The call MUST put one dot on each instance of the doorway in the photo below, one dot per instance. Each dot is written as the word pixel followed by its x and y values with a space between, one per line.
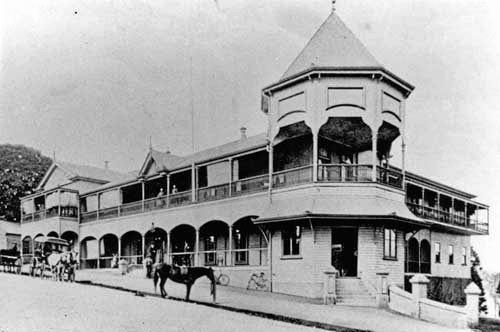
pixel 345 251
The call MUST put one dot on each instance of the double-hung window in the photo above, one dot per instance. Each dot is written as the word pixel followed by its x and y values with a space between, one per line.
pixel 291 240
pixel 437 252
pixel 389 244
pixel 450 254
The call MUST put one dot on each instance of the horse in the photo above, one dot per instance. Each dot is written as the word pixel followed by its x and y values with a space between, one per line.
pixel 56 265
pixel 182 275
pixel 38 263
pixel 67 265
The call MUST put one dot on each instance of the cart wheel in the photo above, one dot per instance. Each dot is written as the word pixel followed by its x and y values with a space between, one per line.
pixel 223 280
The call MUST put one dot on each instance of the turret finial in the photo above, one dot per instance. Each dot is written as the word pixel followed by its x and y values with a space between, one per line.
pixel 150 143
pixel 333 5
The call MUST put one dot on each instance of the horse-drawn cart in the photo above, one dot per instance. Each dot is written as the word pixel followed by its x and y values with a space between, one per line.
pixel 10 260
pixel 53 255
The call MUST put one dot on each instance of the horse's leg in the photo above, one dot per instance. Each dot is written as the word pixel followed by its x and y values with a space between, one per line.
pixel 162 286
pixel 188 290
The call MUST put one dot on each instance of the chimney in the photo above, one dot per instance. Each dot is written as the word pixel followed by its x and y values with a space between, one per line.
pixel 106 164
pixel 243 131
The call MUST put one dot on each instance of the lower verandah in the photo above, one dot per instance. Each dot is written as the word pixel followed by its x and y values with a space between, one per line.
pixel 300 252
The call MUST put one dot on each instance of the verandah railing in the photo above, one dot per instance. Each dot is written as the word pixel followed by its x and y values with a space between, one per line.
pixel 446 216
pixel 344 173
pixel 63 211
pixel 280 179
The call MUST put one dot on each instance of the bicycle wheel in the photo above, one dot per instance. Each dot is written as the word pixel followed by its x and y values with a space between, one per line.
pixel 252 284
pixel 223 280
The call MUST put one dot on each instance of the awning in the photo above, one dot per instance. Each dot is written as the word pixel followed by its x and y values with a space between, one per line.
pixel 50 239
pixel 344 207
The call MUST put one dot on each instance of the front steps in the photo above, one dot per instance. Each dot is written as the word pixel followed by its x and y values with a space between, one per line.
pixel 352 291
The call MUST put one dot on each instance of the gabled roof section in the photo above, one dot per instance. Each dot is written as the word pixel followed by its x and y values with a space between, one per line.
pixel 82 172
pixel 168 161
pixel 162 161
pixel 333 45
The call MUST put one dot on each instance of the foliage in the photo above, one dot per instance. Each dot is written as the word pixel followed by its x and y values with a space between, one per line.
pixel 489 324
pixel 21 169
pixel 476 265
pixel 444 289
pixel 447 290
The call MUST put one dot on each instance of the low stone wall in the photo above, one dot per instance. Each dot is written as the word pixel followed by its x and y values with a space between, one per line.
pixel 402 301
pixel 425 309
pixel 441 313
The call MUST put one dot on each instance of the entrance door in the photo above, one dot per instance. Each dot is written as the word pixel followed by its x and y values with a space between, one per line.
pixel 345 251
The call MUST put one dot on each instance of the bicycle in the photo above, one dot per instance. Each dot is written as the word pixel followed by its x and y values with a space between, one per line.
pixel 222 279
pixel 257 282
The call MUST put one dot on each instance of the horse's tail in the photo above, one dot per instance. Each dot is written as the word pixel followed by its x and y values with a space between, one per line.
pixel 156 276
pixel 213 286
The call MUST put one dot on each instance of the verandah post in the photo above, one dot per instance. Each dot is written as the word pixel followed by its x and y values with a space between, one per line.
pixel 196 248
pixel 230 247
pixel 315 156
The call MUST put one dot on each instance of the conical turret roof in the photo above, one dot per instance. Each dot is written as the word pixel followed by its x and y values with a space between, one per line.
pixel 332 46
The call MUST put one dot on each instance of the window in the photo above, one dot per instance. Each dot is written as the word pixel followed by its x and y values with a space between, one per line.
pixel 464 256
pixel 389 244
pixel 450 254
pixel 437 252
pixel 291 241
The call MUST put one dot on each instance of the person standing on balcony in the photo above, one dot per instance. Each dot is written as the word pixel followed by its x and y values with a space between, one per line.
pixel 160 196
pixel 174 189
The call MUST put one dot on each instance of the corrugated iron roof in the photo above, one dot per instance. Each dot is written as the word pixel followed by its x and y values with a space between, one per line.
pixel 167 161
pixel 332 45
pixel 91 172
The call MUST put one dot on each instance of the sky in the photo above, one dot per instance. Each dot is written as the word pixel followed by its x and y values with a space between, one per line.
pixel 94 80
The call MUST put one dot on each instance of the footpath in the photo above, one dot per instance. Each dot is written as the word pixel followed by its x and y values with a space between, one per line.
pixel 300 310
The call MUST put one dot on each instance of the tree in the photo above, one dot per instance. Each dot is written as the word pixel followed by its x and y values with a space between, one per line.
pixel 21 169
pixel 476 264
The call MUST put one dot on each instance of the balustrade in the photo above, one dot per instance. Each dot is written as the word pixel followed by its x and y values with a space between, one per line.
pixel 344 173
pixel 213 193
pixel 390 177
pixel 250 185
pixel 292 177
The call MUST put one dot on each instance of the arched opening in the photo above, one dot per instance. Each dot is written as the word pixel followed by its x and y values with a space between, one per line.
pixel 89 253
pixel 249 245
pixel 27 249
pixel 131 243
pixel 386 135
pixel 213 245
pixel 71 237
pixel 292 155
pixel 425 256
pixel 108 248
pixel 156 244
pixel 345 150
pixel 37 244
pixel 183 238
pixel 412 256
pixel 53 234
